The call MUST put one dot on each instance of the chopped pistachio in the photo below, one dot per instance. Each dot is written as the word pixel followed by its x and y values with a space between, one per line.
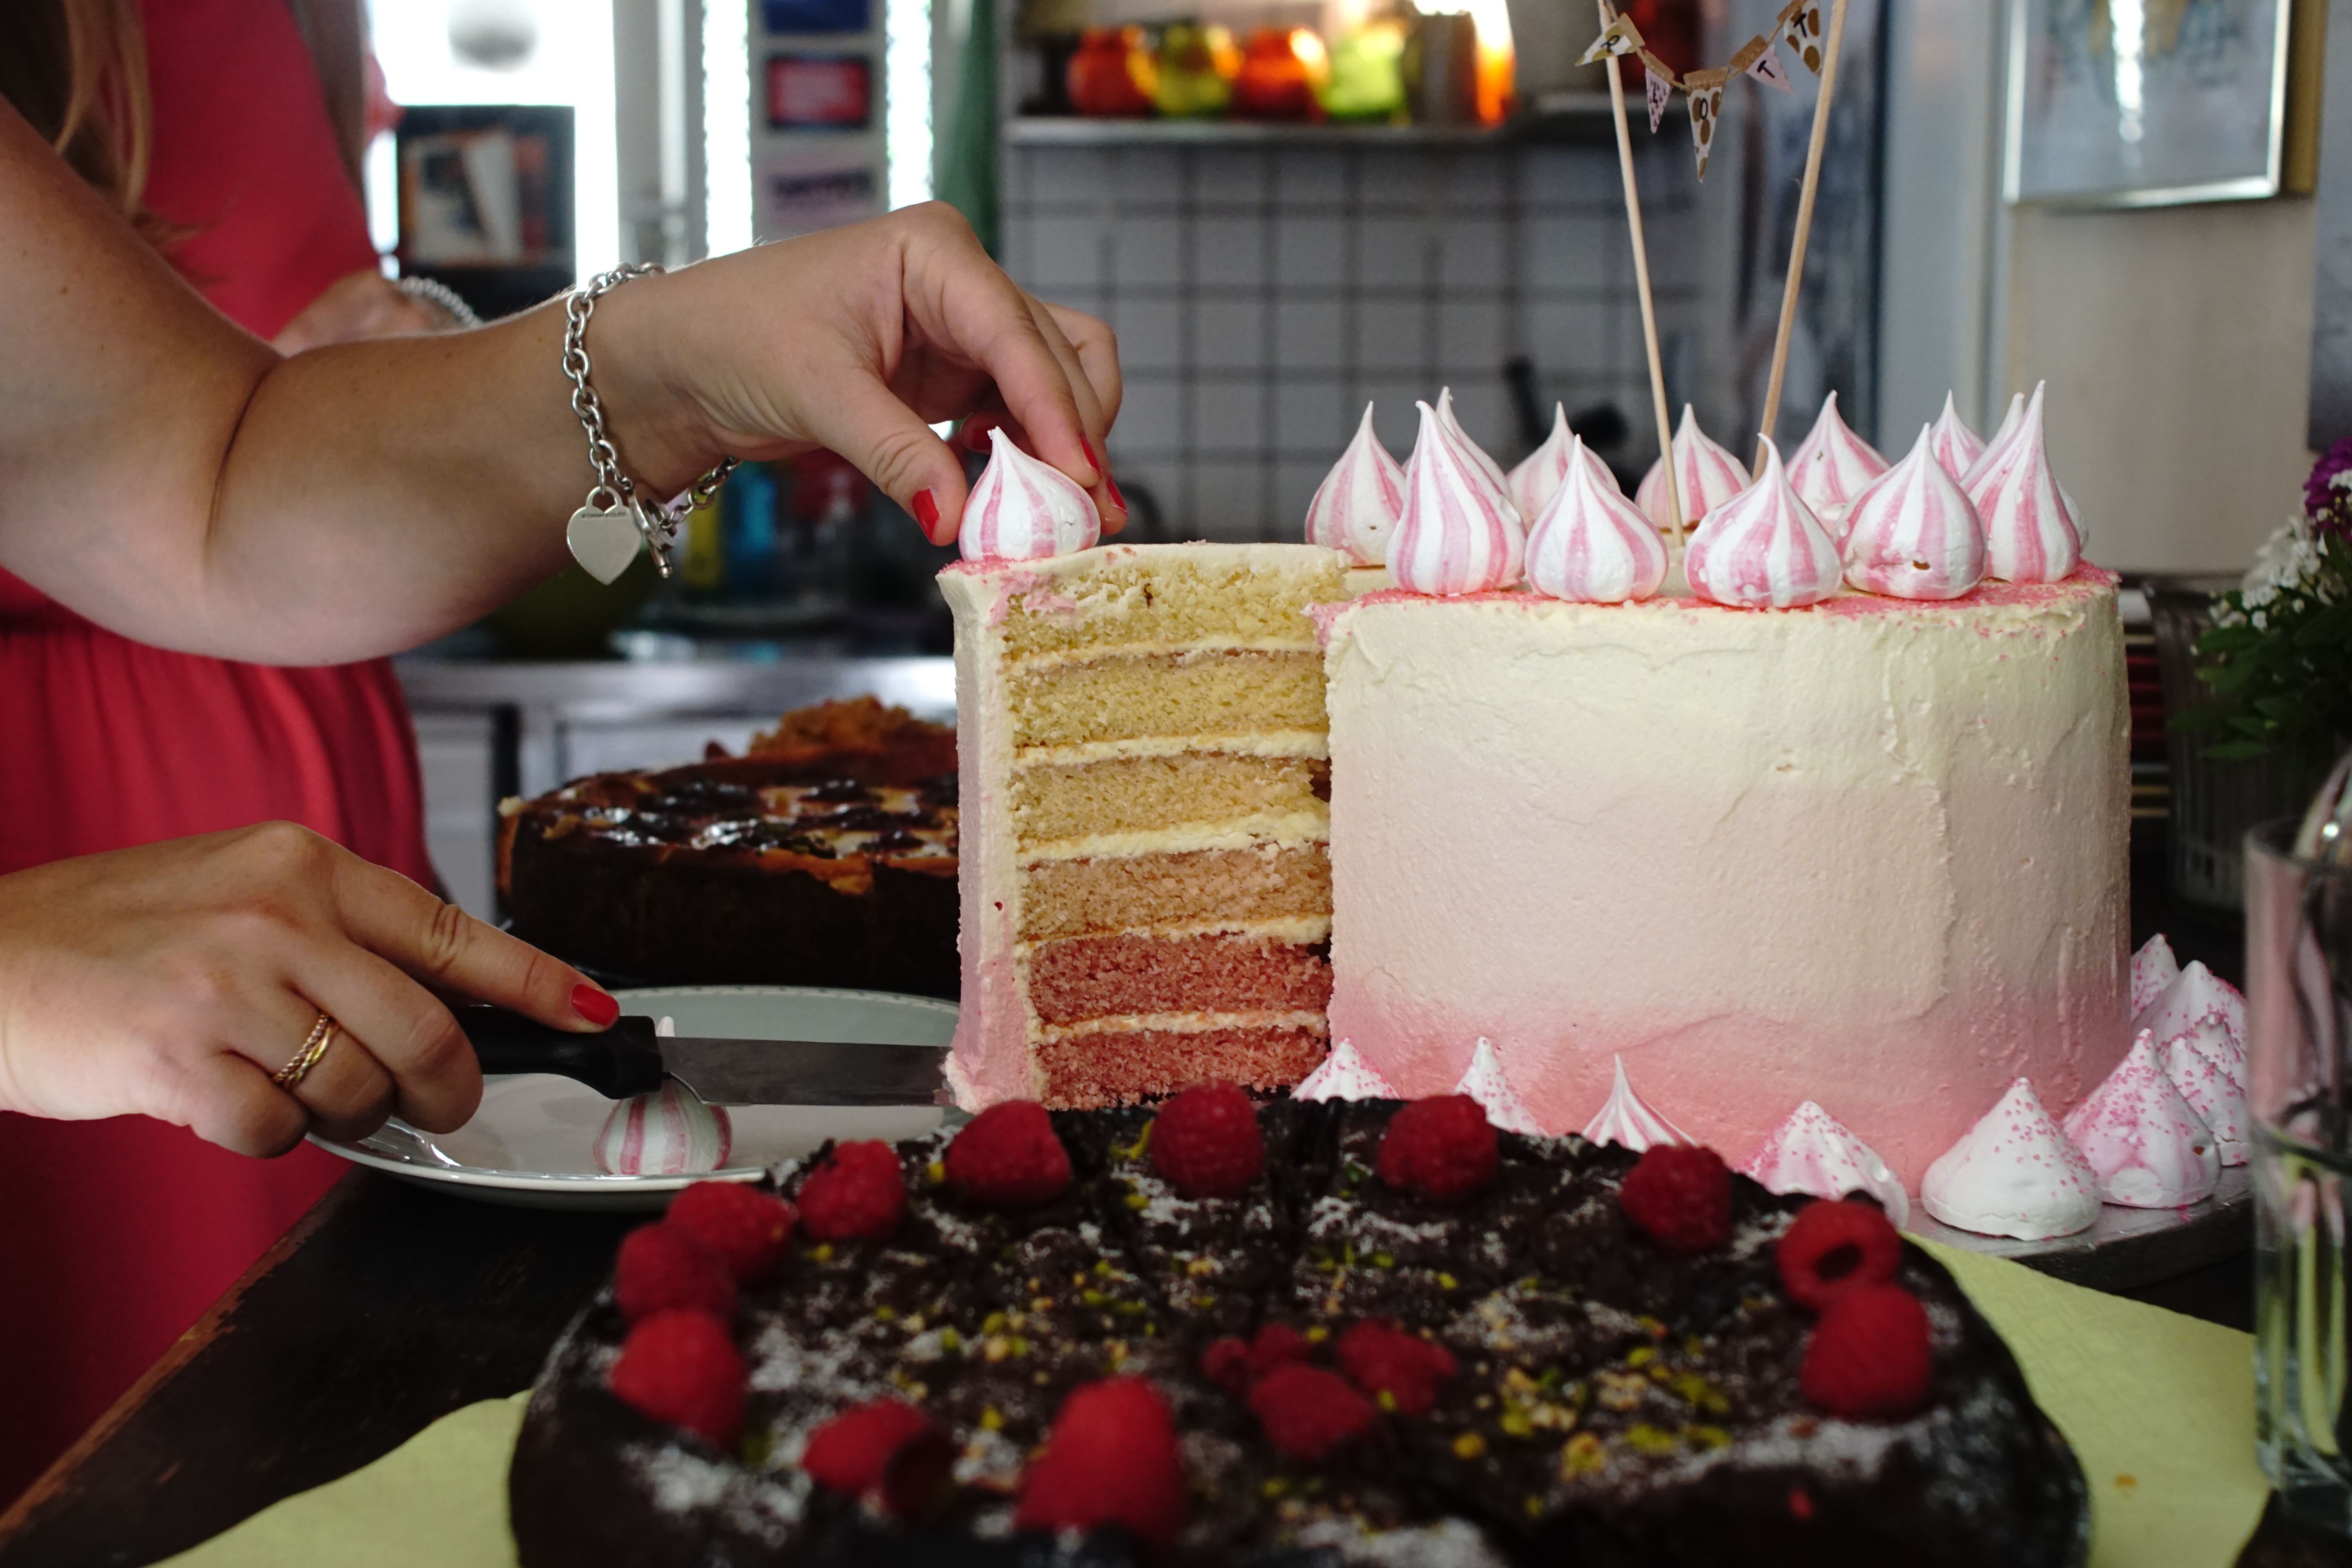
pixel 1582 1456
pixel 992 1419
pixel 950 1341
pixel 1385 1400
pixel 1103 1268
pixel 1517 1422
pixel 1197 1267
pixel 1092 1298
pixel 1707 1438
pixel 820 1253
pixel 996 1348
pixel 1640 1356
pixel 1040 1303
pixel 1447 1282
pixel 993 1324
pixel 1273 1487
pixel 1138 1201
pixel 1652 1327
pixel 937 1173
pixel 1040 1379
pixel 886 1314
pixel 1317 1334
pixel 1534 1505
pixel 1020 1346
pixel 1383 1260
pixel 1203 1302
pixel 1469 1446
pixel 1645 1438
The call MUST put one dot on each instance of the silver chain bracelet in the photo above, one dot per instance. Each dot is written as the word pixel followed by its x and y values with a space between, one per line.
pixel 433 292
pixel 606 532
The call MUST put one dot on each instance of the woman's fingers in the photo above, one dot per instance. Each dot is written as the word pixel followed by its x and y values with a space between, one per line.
pixel 868 424
pixel 228 1101
pixel 1108 504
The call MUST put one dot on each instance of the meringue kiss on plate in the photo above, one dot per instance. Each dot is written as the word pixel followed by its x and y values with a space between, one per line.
pixel 2150 1148
pixel 2031 534
pixel 2015 1173
pixel 1024 508
pixel 1813 1151
pixel 1912 532
pixel 1706 476
pixel 1540 472
pixel 1626 1120
pixel 1459 534
pixel 1832 465
pixel 1589 544
pixel 1955 446
pixel 1763 548
pixel 1356 507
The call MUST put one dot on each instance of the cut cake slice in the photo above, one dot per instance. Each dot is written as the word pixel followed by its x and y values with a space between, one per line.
pixel 1146 877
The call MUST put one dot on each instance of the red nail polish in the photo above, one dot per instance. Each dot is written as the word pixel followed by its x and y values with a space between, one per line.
pixel 1116 497
pixel 594 1005
pixel 1086 443
pixel 927 513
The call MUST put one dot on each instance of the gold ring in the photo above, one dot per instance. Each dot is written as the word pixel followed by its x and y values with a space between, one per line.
pixel 322 1035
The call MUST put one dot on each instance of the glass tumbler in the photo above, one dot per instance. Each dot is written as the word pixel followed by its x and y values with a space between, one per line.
pixel 2299 1037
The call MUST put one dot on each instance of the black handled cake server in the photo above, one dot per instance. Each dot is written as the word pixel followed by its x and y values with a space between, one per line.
pixel 630 1059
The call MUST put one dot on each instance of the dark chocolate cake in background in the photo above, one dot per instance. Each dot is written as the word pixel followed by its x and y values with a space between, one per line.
pixel 1598 1396
pixel 825 855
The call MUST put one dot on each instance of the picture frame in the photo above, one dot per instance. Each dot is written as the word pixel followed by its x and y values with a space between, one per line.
pixel 2131 103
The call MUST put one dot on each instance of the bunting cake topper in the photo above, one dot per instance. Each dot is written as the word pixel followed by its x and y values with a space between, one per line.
pixel 1703 92
pixel 1758 60
pixel 1619 37
pixel 1800 25
pixel 1658 85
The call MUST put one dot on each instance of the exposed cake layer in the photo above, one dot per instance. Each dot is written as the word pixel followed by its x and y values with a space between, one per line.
pixel 1109 1066
pixel 1122 696
pixel 1052 802
pixel 1080 898
pixel 1144 596
pixel 1103 977
pixel 1871 854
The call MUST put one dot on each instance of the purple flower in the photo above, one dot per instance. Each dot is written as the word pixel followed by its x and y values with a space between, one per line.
pixel 2326 501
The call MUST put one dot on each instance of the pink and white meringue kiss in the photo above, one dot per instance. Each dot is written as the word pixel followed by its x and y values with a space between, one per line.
pixel 2150 1148
pixel 2031 534
pixel 1356 507
pixel 670 1132
pixel 2215 1092
pixel 1763 548
pixel 1626 1121
pixel 1590 545
pixel 1459 533
pixel 2153 968
pixel 1706 476
pixel 1484 1081
pixel 2013 1174
pixel 2201 1006
pixel 1023 508
pixel 1494 470
pixel 1539 473
pixel 1832 465
pixel 1813 1151
pixel 1345 1075
pixel 1955 446
pixel 1912 534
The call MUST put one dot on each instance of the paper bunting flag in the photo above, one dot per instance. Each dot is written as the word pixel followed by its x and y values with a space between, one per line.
pixel 1620 38
pixel 1800 25
pixel 1704 92
pixel 1660 82
pixel 1758 58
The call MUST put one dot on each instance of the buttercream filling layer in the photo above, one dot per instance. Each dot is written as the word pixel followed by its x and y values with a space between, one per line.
pixel 1173 596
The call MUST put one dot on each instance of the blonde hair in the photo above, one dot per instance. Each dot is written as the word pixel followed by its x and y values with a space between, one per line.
pixel 76 71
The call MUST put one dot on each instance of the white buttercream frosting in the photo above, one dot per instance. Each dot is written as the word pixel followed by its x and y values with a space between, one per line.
pixel 1345 1075
pixel 1484 1081
pixel 1459 533
pixel 1589 544
pixel 1763 548
pixel 1812 1152
pixel 2015 1173
pixel 1706 476
pixel 2153 968
pixel 1356 507
pixel 1625 1121
pixel 1025 509
pixel 670 1132
pixel 1832 465
pixel 1911 533
pixel 2031 534
pixel 1955 446
pixel 2150 1148
pixel 1539 474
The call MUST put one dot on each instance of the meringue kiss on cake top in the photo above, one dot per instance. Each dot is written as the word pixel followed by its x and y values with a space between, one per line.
pixel 1832 465
pixel 2032 532
pixel 1540 472
pixel 1024 508
pixel 1812 1152
pixel 1706 476
pixel 1912 532
pixel 1955 446
pixel 1589 544
pixel 1763 548
pixel 2150 1148
pixel 2015 1173
pixel 1459 534
pixel 1445 417
pixel 1356 507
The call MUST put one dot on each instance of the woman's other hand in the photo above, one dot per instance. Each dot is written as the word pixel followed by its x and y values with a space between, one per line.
pixel 358 306
pixel 174 980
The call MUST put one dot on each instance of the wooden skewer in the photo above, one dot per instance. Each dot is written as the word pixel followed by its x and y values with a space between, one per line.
pixel 1642 280
pixel 1804 229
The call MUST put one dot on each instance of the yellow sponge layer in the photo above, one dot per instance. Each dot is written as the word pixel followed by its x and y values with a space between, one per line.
pixel 1134 794
pixel 1175 596
pixel 1123 697
pixel 1198 888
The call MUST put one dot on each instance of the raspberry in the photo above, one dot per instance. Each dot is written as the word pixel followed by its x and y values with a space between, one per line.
pixel 680 1366
pixel 850 1453
pixel 1681 1196
pixel 1234 1364
pixel 856 1191
pixel 1385 1359
pixel 1307 1412
pixel 747 1227
pixel 1206 1141
pixel 1869 1358
pixel 1442 1148
pixel 1007 1157
pixel 1831 1247
pixel 1110 1459
pixel 663 1267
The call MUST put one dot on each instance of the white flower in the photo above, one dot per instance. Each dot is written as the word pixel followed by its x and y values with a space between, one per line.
pixel 2288 559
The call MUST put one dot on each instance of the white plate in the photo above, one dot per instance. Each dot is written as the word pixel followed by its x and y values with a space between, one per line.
pixel 532 1141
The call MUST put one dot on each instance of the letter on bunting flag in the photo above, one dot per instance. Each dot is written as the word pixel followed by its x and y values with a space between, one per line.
pixel 1703 90
pixel 1758 58
pixel 1800 25
pixel 1659 81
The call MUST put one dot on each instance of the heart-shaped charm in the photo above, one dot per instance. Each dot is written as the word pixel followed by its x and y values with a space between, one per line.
pixel 604 540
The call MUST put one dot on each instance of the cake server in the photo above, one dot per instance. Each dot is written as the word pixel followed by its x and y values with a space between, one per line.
pixel 629 1059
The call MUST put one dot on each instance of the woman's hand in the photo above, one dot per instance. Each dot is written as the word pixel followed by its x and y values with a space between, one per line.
pixel 172 981
pixel 356 307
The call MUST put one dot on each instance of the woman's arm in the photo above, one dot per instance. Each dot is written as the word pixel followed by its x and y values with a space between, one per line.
pixel 172 477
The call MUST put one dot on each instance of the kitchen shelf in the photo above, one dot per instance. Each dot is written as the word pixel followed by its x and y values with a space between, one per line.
pixel 1568 116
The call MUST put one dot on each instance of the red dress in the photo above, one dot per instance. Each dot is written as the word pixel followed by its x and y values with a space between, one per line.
pixel 115 1235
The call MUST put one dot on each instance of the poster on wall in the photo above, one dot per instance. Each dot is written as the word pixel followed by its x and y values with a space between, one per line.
pixel 801 193
pixel 2146 104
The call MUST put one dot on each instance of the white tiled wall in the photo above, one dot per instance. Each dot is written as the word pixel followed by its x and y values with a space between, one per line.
pixel 1262 295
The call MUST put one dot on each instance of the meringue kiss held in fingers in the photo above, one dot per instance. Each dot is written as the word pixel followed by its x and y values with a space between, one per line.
pixel 1706 476
pixel 1356 507
pixel 1024 508
pixel 1912 532
pixel 1832 465
pixel 1591 544
pixel 2031 534
pixel 1763 548
pixel 1539 474
pixel 1955 446
pixel 1459 533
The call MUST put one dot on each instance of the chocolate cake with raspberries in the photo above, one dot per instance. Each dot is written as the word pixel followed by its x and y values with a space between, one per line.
pixel 1296 1333
pixel 826 856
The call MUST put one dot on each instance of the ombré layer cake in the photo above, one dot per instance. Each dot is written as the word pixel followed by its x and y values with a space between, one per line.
pixel 1146 865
